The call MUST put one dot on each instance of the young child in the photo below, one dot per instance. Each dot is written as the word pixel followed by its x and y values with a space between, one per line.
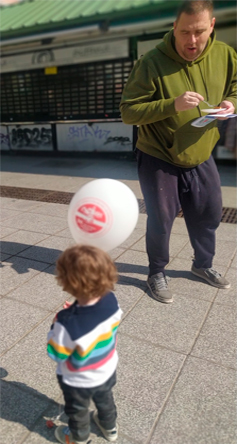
pixel 82 340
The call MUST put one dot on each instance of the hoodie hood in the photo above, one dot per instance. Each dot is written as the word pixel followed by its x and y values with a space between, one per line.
pixel 167 46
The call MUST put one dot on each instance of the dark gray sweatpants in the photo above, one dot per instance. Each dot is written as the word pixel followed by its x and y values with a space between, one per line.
pixel 77 401
pixel 167 188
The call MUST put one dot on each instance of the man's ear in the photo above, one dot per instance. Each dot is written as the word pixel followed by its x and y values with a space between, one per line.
pixel 213 21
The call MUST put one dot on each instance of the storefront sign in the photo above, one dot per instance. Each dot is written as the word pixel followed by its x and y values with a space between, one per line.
pixel 66 56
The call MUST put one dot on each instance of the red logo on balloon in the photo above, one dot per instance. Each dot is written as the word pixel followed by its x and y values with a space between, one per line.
pixel 93 217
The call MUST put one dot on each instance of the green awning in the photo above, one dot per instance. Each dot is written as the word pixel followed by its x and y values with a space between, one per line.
pixel 33 17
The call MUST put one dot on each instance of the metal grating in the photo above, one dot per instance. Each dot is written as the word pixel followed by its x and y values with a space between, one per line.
pixel 76 92
pixel 36 194
pixel 229 215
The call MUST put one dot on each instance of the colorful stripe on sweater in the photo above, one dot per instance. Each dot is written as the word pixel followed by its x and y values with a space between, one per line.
pixel 83 339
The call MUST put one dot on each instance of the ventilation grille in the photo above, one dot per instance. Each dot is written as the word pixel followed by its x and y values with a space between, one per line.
pixel 83 91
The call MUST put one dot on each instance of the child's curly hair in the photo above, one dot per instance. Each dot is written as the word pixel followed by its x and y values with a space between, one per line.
pixel 86 272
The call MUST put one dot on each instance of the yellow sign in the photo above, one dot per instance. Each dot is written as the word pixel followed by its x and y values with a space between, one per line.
pixel 51 70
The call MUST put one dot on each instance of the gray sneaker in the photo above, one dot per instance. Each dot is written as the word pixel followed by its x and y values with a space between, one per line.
pixel 159 288
pixel 63 435
pixel 210 275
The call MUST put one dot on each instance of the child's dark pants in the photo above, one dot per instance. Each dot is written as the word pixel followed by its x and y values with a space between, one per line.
pixel 166 188
pixel 77 401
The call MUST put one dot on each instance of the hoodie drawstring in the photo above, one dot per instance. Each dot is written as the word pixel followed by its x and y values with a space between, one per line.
pixel 207 95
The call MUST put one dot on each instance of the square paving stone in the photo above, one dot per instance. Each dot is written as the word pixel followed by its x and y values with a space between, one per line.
pixel 217 339
pixel 177 242
pixel 5 231
pixel 42 291
pixel 17 319
pixel 39 223
pixel 20 409
pixel 51 209
pixel 142 221
pixel 41 434
pixel 144 378
pixel 65 233
pixel 66 183
pixel 133 267
pixel 229 195
pixel 134 186
pixel 225 251
pixel 228 295
pixel 179 226
pixel 173 326
pixel 20 240
pixel 18 204
pixel 183 282
pixel 27 362
pixel 16 270
pixel 29 180
pixel 201 408
pixel 226 232
pixel 140 245
pixel 7 202
pixel 127 296
pixel 48 250
pixel 4 256
pixel 234 262
pixel 6 214
pixel 116 253
pixel 136 235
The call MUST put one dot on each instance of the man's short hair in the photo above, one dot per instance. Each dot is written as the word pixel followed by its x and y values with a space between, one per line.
pixel 194 7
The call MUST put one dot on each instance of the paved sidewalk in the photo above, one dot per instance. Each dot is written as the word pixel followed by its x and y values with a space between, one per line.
pixel 176 373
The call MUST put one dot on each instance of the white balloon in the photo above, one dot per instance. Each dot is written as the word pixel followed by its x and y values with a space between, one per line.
pixel 103 213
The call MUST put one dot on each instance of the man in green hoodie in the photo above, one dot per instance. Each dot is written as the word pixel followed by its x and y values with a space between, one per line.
pixel 164 94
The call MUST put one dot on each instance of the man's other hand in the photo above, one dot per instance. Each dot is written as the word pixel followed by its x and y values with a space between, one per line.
pixel 229 108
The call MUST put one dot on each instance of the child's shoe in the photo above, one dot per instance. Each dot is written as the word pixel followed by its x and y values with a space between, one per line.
pixel 110 435
pixel 63 435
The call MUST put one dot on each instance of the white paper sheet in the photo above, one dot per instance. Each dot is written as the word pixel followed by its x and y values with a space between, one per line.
pixel 203 121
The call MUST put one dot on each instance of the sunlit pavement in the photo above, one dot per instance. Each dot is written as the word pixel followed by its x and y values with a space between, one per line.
pixel 176 373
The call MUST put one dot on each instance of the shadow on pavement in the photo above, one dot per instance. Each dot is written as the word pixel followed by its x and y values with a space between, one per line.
pixel 26 406
pixel 24 257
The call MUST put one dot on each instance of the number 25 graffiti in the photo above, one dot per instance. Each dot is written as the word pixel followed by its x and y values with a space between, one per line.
pixel 22 137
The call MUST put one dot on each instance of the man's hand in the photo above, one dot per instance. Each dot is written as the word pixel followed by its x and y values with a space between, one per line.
pixel 188 100
pixel 230 109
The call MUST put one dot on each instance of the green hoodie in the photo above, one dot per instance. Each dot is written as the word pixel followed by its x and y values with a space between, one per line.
pixel 157 79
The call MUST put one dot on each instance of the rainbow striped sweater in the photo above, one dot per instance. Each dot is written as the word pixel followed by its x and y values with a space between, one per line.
pixel 83 342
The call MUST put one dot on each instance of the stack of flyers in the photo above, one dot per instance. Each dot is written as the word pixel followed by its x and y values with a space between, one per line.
pixel 203 121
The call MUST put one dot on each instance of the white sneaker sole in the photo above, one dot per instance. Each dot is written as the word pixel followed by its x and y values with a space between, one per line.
pixel 103 431
pixel 160 299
